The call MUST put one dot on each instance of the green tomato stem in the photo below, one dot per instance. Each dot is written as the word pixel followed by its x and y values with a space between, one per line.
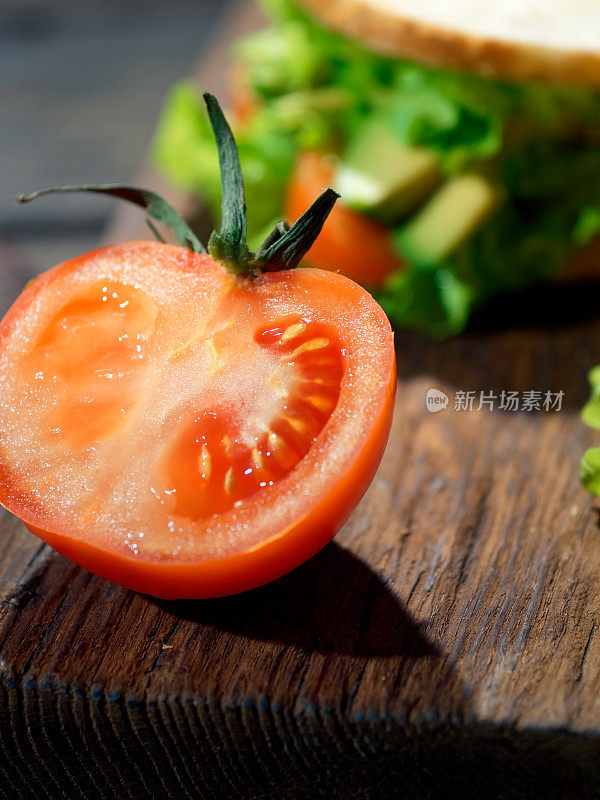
pixel 284 248
pixel 155 206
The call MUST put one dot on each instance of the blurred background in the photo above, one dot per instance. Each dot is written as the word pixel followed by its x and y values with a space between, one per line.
pixel 82 86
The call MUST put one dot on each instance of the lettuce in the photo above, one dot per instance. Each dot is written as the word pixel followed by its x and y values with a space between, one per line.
pixel 590 470
pixel 316 89
pixel 434 302
pixel 590 414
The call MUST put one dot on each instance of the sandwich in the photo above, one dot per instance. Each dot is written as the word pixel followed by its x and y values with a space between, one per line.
pixel 463 138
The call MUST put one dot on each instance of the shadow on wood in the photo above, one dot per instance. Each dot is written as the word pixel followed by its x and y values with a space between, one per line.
pixel 334 603
pixel 60 623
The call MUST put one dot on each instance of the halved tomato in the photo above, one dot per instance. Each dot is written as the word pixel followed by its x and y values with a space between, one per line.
pixel 183 431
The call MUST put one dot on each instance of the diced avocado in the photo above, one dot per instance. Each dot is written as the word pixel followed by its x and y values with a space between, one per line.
pixel 382 177
pixel 457 210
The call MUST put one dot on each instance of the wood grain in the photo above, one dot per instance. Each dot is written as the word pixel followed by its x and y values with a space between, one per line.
pixel 83 83
pixel 445 645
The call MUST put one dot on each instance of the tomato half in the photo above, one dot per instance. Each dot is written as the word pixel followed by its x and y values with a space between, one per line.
pixel 350 242
pixel 184 432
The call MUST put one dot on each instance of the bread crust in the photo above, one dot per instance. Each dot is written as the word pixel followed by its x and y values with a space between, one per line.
pixel 389 32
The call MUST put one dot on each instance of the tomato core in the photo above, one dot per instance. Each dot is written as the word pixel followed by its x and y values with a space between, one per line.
pixel 214 463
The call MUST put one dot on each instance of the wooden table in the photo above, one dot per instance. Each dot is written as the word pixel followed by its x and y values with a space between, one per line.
pixel 82 85
pixel 445 645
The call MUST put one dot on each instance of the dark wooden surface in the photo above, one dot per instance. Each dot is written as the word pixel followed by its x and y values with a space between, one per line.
pixel 446 644
pixel 82 85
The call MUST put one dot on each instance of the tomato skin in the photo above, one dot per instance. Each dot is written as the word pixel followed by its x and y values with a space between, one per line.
pixel 274 556
pixel 350 242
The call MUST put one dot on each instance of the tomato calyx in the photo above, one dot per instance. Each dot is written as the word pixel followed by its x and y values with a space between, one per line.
pixel 285 246
pixel 155 206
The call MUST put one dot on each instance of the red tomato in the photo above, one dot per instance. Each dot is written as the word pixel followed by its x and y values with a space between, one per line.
pixel 184 432
pixel 350 242
pixel 242 100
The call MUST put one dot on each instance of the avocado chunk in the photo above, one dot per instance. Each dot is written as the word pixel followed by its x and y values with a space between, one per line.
pixel 457 210
pixel 382 177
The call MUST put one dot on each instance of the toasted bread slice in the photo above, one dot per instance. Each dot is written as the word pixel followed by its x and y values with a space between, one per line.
pixel 555 41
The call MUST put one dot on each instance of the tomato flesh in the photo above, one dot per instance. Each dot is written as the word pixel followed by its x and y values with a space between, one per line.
pixel 93 351
pixel 184 432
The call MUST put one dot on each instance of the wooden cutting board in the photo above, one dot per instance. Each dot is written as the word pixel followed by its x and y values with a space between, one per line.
pixel 446 644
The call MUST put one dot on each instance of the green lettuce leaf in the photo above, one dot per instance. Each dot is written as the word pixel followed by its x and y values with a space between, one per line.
pixel 590 470
pixel 434 302
pixel 587 225
pixel 590 413
pixel 590 463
